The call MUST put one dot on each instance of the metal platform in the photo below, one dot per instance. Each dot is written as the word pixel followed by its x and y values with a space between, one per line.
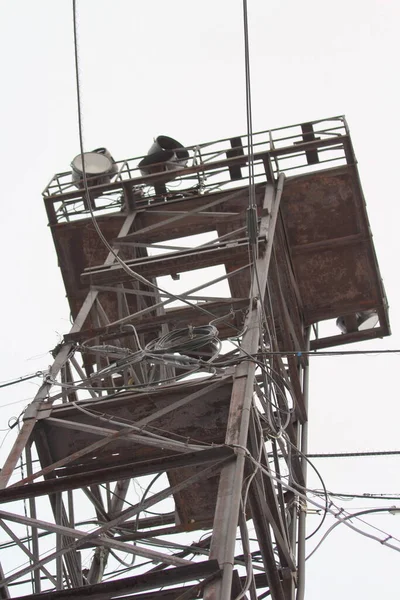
pixel 330 252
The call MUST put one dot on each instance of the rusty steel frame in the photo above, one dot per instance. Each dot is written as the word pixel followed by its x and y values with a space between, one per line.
pixel 118 422
pixel 41 410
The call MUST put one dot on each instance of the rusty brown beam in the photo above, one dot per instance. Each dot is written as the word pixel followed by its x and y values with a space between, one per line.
pixel 179 315
pixel 131 585
pixel 133 469
pixel 175 263
pixel 348 338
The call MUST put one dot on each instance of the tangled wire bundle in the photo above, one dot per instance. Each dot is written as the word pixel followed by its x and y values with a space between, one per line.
pixel 197 342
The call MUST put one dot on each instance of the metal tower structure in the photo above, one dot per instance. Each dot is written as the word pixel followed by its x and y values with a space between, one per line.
pixel 164 451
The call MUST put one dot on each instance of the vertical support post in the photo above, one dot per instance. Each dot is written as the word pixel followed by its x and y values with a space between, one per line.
pixel 59 542
pixel 33 514
pixel 231 479
pixel 4 593
pixel 301 549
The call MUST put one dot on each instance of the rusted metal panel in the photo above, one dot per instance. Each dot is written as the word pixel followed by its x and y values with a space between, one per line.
pixel 336 281
pixel 204 421
pixel 321 206
pixel 136 468
pixel 328 232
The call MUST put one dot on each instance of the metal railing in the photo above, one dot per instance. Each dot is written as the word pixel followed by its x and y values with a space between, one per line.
pixel 212 166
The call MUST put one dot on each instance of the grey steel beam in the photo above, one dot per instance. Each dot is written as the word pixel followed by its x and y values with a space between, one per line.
pixel 97 540
pixel 99 560
pixel 73 567
pixel 32 511
pixel 230 486
pixel 33 557
pixel 301 551
pixel 266 496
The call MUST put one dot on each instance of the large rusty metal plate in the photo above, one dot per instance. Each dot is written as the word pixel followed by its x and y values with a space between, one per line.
pixel 202 420
pixel 330 244
pixel 322 206
pixel 335 281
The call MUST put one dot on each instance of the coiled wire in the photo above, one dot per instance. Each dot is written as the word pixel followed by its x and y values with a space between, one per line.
pixel 196 342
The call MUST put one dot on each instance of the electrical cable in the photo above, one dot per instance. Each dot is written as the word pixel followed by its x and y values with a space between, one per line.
pixel 142 430
pixel 139 387
pixel 146 491
pixel 351 516
pixel 355 454
pixel 392 509
pixel 384 542
pixel 182 348
pixel 189 341
pixel 110 574
pixel 329 352
pixel 243 523
pixel 249 118
pixel 366 496
pixel 28 537
pixel 21 379
pixel 325 493
pixel 122 562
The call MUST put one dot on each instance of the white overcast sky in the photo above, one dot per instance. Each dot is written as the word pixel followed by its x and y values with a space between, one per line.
pixel 176 67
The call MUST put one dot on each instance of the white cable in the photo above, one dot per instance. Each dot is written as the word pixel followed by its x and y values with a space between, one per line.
pixel 353 516
pixel 384 542
pixel 141 430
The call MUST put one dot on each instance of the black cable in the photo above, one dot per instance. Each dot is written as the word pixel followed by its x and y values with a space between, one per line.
pixel 365 496
pixel 330 352
pixel 355 454
pixel 326 496
pixel 108 575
